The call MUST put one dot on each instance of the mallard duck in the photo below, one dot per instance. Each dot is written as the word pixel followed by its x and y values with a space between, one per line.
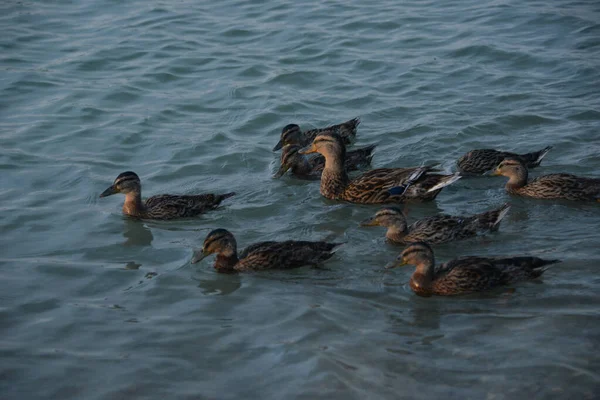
pixel 552 186
pixel 378 186
pixel 436 229
pixel 162 206
pixel 311 167
pixel 466 274
pixel 291 134
pixel 263 255
pixel 483 160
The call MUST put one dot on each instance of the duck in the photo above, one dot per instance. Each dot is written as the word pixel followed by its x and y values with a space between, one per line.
pixel 552 186
pixel 162 206
pixel 478 162
pixel 377 186
pixel 436 229
pixel 466 274
pixel 307 167
pixel 291 133
pixel 263 255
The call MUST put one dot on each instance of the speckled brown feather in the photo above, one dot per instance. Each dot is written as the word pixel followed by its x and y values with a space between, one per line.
pixel 467 274
pixel 483 160
pixel 164 206
pixel 284 255
pixel 373 187
pixel 560 186
pixel 263 255
pixel 476 274
pixel 552 186
pixel 168 206
pixel 439 228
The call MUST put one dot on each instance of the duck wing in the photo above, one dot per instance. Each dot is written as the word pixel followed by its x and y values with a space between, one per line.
pixel 467 275
pixel 168 206
pixel 284 255
pixel 566 186
pixel 440 229
pixel 374 186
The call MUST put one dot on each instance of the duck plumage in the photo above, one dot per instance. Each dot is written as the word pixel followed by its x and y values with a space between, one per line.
pixel 378 186
pixel 263 255
pixel 466 274
pixel 435 229
pixel 552 186
pixel 484 160
pixel 162 206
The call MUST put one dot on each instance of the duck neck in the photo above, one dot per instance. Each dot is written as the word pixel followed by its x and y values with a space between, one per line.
pixel 301 166
pixel 422 279
pixel 396 231
pixel 133 204
pixel 226 261
pixel 334 179
pixel 516 181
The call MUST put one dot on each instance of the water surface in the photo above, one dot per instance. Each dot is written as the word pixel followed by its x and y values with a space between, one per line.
pixel 192 97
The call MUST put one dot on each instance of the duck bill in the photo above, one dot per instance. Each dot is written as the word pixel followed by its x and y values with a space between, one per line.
pixel 110 191
pixel 495 173
pixel 198 256
pixel 278 146
pixel 282 170
pixel 308 149
pixel 369 222
pixel 394 264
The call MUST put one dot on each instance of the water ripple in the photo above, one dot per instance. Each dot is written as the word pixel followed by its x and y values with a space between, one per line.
pixel 192 97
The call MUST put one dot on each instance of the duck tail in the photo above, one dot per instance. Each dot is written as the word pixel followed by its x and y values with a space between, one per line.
pixel 224 196
pixel 445 181
pixel 336 245
pixel 348 128
pixel 367 152
pixel 534 159
pixel 491 219
pixel 543 265
pixel 332 247
pixel 368 149
pixel 353 123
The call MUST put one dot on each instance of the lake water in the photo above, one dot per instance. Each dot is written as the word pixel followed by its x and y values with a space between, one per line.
pixel 192 96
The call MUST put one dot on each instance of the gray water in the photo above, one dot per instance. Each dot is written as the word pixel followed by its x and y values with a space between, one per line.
pixel 192 96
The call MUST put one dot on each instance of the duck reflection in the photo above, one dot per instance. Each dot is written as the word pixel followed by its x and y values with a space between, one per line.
pixel 219 284
pixel 136 233
pixel 425 314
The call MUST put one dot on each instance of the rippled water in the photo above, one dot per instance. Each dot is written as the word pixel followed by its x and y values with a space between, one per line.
pixel 192 96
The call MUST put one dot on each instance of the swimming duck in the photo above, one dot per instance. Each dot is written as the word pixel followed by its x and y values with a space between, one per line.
pixel 552 186
pixel 263 255
pixel 483 160
pixel 162 206
pixel 466 274
pixel 291 134
pixel 378 186
pixel 437 229
pixel 311 167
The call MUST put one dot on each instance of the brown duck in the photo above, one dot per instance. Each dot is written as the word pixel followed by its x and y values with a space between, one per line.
pixel 378 186
pixel 484 160
pixel 466 274
pixel 552 186
pixel 437 229
pixel 162 206
pixel 263 255
pixel 291 134
pixel 303 166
